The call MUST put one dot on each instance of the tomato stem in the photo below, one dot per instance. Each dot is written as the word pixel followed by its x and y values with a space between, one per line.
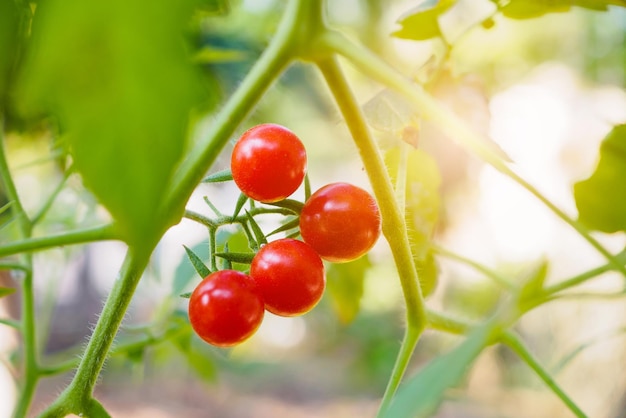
pixel 393 224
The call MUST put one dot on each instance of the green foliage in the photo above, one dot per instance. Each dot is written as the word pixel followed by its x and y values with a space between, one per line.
pixel 421 23
pixel 345 287
pixel 421 395
pixel 526 9
pixel 9 43
pixel 600 198
pixel 105 70
pixel 5 291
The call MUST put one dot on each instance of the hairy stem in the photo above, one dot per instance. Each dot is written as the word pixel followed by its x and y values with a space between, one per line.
pixel 77 397
pixel 393 223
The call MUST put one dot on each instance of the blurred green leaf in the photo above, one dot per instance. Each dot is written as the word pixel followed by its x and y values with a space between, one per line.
pixel 211 55
pixel 527 9
pixel 421 395
pixel 117 77
pixel 9 44
pixel 5 291
pixel 422 22
pixel 197 356
pixel 344 283
pixel 197 263
pixel 388 111
pixel 533 283
pixel 600 198
pixel 422 201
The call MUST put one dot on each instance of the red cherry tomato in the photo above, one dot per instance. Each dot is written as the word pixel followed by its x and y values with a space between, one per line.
pixel 290 275
pixel 226 308
pixel 268 163
pixel 341 222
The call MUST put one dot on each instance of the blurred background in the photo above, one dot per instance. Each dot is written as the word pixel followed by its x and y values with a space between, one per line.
pixel 546 90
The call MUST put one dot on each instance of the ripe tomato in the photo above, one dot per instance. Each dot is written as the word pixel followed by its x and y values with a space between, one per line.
pixel 341 222
pixel 226 308
pixel 268 163
pixel 290 275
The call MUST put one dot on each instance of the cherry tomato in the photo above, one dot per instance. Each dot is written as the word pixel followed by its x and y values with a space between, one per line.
pixel 341 222
pixel 268 163
pixel 290 275
pixel 226 308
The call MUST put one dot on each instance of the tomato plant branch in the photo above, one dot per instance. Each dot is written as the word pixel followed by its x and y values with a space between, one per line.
pixel 272 62
pixel 428 108
pixel 393 224
pixel 77 397
pixel 27 321
pixel 50 200
pixel 82 236
pixel 517 346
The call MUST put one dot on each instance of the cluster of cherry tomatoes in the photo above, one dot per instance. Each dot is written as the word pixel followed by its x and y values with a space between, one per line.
pixel 339 222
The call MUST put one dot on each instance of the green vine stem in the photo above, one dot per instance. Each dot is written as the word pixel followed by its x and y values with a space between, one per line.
pixel 27 321
pixel 82 236
pixel 514 343
pixel 451 125
pixel 393 225
pixel 77 397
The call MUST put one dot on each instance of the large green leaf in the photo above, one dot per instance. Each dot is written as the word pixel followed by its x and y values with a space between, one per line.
pixel 345 287
pixel 526 9
pixel 422 22
pixel 9 35
pixel 421 395
pixel 118 78
pixel 422 200
pixel 601 199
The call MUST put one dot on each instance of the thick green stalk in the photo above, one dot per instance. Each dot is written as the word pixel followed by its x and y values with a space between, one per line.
pixel 514 343
pixel 97 233
pixel 393 224
pixel 451 125
pixel 77 397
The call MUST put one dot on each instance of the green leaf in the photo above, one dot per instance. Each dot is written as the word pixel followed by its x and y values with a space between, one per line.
pixel 600 198
pixel 197 263
pixel 218 177
pixel 527 9
pixel 197 356
pixel 344 283
pixel 211 55
pixel 388 111
pixel 9 36
pixel 422 22
pixel 422 200
pixel 5 291
pixel 533 285
pixel 421 395
pixel 118 79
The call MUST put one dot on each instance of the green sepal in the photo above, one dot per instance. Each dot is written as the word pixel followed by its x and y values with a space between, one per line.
pixel 218 177
pixel 256 230
pixel 197 263
pixel 242 258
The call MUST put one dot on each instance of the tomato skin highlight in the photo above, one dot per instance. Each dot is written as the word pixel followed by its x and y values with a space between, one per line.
pixel 226 308
pixel 268 163
pixel 341 222
pixel 290 275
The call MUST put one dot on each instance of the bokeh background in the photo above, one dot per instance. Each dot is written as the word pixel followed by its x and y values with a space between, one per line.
pixel 546 90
